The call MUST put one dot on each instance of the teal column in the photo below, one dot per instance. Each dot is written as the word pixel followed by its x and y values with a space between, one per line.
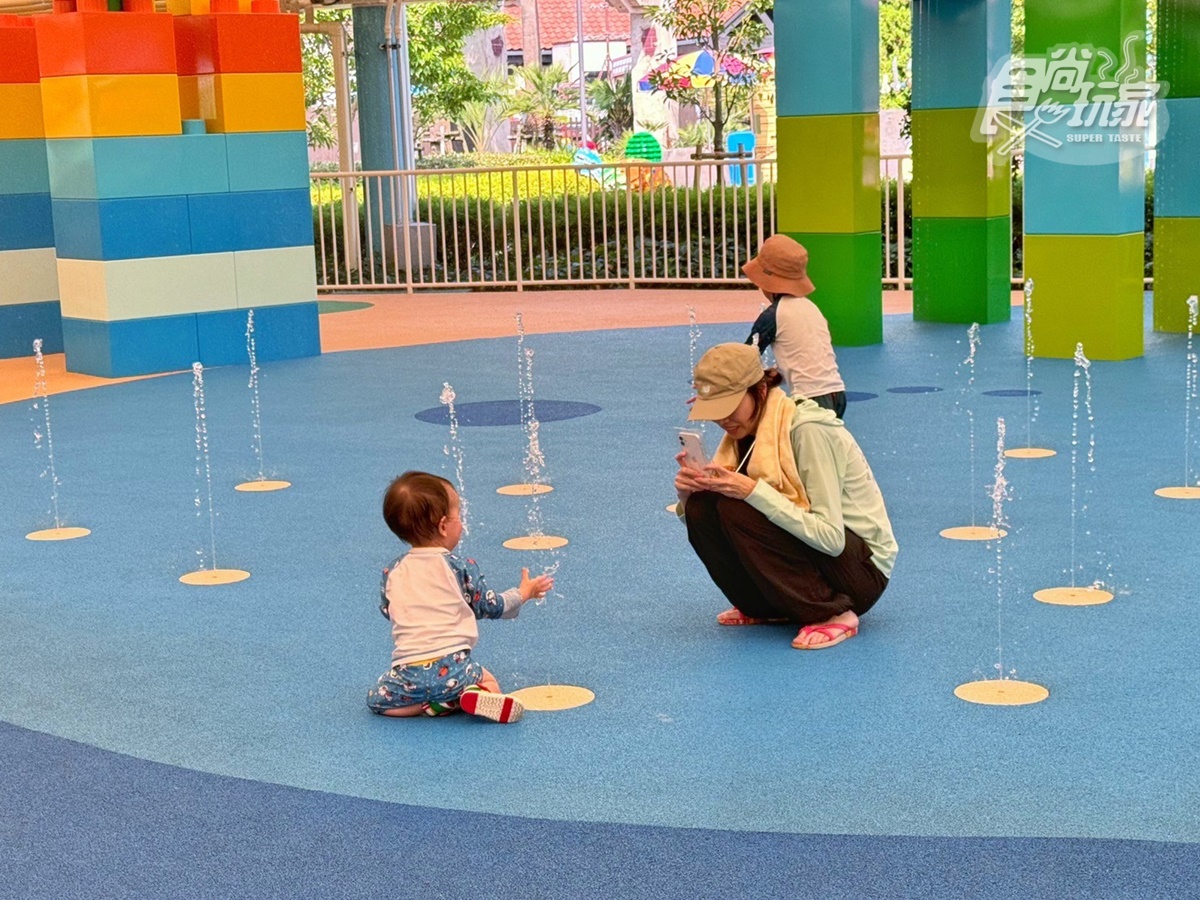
pixel 1084 181
pixel 1177 176
pixel 380 143
pixel 962 184
pixel 827 106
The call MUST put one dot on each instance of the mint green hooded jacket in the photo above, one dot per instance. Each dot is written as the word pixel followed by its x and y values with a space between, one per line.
pixel 841 490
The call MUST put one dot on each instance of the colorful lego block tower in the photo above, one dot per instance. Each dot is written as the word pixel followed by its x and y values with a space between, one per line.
pixel 1085 179
pixel 827 102
pixel 28 282
pixel 962 184
pixel 180 198
pixel 1177 177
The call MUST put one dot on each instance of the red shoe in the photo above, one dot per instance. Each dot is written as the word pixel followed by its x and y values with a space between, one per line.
pixel 496 707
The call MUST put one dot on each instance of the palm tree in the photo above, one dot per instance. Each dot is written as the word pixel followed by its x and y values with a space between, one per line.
pixel 542 98
pixel 614 101
pixel 480 119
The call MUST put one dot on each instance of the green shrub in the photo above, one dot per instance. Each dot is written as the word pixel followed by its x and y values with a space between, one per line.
pixel 476 227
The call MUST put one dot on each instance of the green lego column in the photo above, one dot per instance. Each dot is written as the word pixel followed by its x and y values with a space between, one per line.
pixel 1177 177
pixel 827 106
pixel 1084 180
pixel 962 198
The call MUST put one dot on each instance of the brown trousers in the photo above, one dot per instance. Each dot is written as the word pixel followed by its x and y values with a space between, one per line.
pixel 768 573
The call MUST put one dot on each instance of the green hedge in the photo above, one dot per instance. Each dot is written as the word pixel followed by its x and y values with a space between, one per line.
pixel 716 247
pixel 478 228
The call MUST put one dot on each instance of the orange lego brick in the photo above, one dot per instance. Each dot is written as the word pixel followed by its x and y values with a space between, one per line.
pixel 189 97
pixel 103 43
pixel 188 7
pixel 22 105
pixel 110 105
pixel 19 61
pixel 255 101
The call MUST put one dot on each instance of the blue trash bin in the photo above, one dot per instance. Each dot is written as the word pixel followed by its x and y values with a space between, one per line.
pixel 743 141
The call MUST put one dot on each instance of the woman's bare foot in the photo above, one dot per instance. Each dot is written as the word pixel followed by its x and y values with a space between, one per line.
pixel 827 633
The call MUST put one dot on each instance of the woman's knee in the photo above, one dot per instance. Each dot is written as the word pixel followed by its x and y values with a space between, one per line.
pixel 701 508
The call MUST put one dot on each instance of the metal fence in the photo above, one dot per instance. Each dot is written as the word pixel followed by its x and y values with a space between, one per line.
pixel 628 224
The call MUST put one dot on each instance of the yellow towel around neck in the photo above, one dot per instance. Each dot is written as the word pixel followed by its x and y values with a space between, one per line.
pixel 772 458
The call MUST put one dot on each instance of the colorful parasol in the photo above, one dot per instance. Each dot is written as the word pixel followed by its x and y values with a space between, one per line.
pixel 695 70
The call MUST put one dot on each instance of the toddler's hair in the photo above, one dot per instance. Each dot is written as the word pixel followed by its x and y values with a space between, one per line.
pixel 414 505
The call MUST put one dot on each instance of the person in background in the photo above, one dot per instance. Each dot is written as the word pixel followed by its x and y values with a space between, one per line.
pixel 794 325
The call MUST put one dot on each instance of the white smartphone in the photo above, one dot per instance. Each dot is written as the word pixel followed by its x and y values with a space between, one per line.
pixel 693 445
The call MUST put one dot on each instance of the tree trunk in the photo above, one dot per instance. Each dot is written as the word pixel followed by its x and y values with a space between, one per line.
pixel 719 127
pixel 531 39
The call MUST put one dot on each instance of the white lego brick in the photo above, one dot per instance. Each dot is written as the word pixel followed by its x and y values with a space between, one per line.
pixel 276 277
pixel 28 276
pixel 143 288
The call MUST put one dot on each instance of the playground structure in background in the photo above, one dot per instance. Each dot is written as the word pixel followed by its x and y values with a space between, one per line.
pixel 154 185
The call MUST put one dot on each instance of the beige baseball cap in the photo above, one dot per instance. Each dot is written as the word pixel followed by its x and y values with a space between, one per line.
pixel 722 377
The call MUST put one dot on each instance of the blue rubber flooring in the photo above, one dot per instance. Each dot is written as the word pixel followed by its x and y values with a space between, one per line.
pixel 705 748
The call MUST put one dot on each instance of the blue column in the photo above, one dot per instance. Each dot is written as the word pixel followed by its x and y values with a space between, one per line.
pixel 381 144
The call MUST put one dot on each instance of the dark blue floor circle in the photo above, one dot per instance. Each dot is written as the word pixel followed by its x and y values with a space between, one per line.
pixel 859 396
pixel 914 389
pixel 1012 392
pixel 506 412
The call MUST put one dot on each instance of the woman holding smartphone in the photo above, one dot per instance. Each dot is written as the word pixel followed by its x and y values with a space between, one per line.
pixel 787 517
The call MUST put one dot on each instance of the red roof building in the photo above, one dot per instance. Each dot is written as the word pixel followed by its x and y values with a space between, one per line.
pixel 556 23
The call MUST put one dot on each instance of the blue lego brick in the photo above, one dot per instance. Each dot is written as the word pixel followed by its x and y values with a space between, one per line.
pixel 832 63
pixel 1090 187
pixel 1066 199
pixel 957 45
pixel 131 346
pixel 250 220
pixel 23 167
pixel 267 160
pixel 280 332
pixel 26 222
pixel 110 168
pixel 131 228
pixel 21 323
pixel 1177 177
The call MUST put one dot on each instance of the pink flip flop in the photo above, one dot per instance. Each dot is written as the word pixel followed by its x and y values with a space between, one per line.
pixel 735 616
pixel 835 631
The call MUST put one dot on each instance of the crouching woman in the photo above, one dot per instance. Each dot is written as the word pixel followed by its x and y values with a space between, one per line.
pixel 786 517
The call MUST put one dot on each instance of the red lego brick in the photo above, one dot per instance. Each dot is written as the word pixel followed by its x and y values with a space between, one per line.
pixel 106 43
pixel 19 61
pixel 228 43
pixel 193 45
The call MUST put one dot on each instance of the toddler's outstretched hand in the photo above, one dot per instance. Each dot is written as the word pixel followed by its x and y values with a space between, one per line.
pixel 535 588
